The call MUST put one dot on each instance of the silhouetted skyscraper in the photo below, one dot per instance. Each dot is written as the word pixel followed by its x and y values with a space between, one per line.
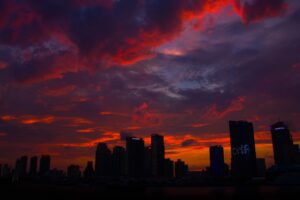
pixel 0 170
pixel 243 154
pixel 33 166
pixel 169 168
pixel 180 168
pixel 45 162
pixel 89 172
pixel 21 167
pixel 261 167
pixel 217 164
pixel 103 165
pixel 119 161
pixel 6 171
pixel 158 154
pixel 296 152
pixel 135 157
pixel 73 172
pixel 148 161
pixel 282 144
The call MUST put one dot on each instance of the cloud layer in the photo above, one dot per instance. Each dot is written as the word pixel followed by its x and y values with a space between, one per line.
pixel 74 73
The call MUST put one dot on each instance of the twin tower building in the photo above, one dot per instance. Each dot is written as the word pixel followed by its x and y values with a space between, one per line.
pixel 243 154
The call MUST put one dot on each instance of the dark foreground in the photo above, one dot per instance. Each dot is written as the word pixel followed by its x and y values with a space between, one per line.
pixel 219 193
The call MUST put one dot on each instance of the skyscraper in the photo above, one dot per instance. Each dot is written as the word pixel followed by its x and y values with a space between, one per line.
pixel 73 172
pixel 45 165
pixel 243 154
pixel 282 144
pixel 33 166
pixel 169 168
pixel 217 164
pixel 158 154
pixel 180 168
pixel 89 172
pixel 118 161
pixel 261 167
pixel 135 157
pixel 148 161
pixel 103 165
pixel 21 166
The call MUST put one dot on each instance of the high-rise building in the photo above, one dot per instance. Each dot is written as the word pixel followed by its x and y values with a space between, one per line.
pixel 6 171
pixel 296 156
pixel 261 167
pixel 0 170
pixel 282 144
pixel 169 168
pixel 158 154
pixel 243 154
pixel 33 166
pixel 148 161
pixel 180 168
pixel 89 172
pixel 21 167
pixel 73 172
pixel 217 164
pixel 118 161
pixel 45 162
pixel 103 165
pixel 135 157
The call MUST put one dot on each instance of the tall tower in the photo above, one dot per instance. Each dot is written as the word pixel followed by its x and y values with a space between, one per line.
pixel 217 164
pixel 103 163
pixel 158 154
pixel 118 161
pixel 282 144
pixel 45 164
pixel 243 154
pixel 33 166
pixel 135 157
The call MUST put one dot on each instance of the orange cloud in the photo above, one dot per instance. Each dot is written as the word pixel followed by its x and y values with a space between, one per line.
pixel 8 118
pixel 89 130
pixel 105 138
pixel 199 125
pixel 34 120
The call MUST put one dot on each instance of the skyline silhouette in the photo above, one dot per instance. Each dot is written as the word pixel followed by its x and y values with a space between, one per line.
pixel 139 161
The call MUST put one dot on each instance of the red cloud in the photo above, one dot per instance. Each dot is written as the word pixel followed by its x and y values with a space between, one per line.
pixel 62 91
pixel 106 32
pixel 35 120
pixel 235 106
pixel 260 9
pixel 2 65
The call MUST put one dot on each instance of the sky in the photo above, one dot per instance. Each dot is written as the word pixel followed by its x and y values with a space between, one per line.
pixel 77 72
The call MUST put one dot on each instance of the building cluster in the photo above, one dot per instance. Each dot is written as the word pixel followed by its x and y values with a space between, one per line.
pixel 21 169
pixel 135 160
pixel 139 161
pixel 244 163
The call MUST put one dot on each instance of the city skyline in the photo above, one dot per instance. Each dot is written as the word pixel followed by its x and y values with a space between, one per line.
pixel 75 73
pixel 119 160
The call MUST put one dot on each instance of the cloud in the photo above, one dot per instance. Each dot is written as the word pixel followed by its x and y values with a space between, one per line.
pixel 260 9
pixel 98 33
pixel 188 143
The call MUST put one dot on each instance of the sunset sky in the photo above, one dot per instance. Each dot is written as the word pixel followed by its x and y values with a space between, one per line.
pixel 77 72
